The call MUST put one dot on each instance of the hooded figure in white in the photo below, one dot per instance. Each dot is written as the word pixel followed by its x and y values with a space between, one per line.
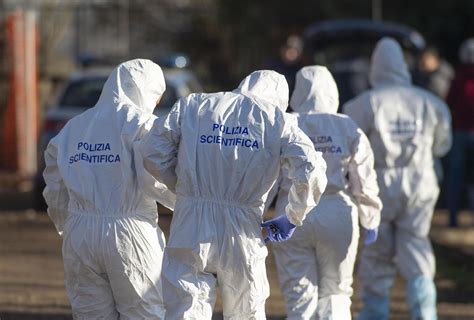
pixel 103 202
pixel 407 127
pixel 222 153
pixel 315 266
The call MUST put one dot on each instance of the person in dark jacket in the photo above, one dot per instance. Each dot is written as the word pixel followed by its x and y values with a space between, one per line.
pixel 461 101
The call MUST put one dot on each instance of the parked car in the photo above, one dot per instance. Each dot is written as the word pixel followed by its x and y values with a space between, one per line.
pixel 81 92
pixel 345 47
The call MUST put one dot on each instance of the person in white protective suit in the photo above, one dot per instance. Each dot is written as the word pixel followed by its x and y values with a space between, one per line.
pixel 315 266
pixel 222 153
pixel 102 200
pixel 407 127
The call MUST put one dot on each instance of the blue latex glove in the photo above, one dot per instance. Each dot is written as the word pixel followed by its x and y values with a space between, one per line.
pixel 278 229
pixel 371 236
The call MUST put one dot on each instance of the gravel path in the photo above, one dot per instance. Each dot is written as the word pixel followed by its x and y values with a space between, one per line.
pixel 31 271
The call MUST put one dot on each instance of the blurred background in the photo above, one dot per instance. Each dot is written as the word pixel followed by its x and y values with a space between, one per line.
pixel 55 56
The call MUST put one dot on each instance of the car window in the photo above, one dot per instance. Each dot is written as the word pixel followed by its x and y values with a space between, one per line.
pixel 337 52
pixel 82 93
pixel 85 93
pixel 349 62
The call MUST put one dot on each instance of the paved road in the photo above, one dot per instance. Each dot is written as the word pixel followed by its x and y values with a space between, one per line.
pixel 31 272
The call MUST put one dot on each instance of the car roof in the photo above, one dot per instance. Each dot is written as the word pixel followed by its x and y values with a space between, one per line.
pixel 323 33
pixel 174 75
pixel 90 73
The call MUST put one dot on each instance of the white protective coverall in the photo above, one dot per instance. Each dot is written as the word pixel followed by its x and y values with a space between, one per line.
pixel 407 126
pixel 222 152
pixel 102 200
pixel 315 266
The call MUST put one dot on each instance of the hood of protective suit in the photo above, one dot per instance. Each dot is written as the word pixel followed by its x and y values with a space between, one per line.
pixel 136 83
pixel 266 85
pixel 315 91
pixel 388 65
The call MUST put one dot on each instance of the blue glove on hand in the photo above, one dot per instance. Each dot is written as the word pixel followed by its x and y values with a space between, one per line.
pixel 371 236
pixel 278 229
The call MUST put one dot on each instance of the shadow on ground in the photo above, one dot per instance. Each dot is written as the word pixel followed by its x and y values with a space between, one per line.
pixel 458 268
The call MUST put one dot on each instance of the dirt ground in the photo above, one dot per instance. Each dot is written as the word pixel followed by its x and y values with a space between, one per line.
pixel 31 271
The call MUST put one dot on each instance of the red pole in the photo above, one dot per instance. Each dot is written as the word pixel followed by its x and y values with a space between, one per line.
pixel 20 123
pixel 9 149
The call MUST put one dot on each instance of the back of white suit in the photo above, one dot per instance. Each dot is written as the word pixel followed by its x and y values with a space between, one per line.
pixel 222 153
pixel 240 132
pixel 407 127
pixel 315 266
pixel 101 200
